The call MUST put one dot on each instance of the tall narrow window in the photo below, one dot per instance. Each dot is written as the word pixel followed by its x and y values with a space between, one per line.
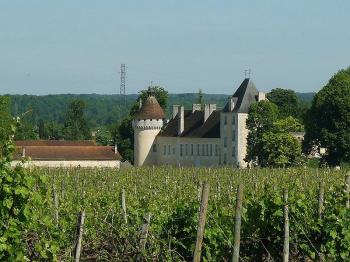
pixel 233 151
pixel 198 150
pixel 211 150
pixel 233 120
pixel 225 141
pixel 225 159
pixel 169 150
pixel 203 150
pixel 154 148
pixel 225 119
pixel 181 149
pixel 216 150
pixel 234 135
pixel 186 149
pixel 164 150
pixel 191 149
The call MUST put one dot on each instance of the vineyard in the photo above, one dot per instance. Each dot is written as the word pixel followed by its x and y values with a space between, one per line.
pixel 152 214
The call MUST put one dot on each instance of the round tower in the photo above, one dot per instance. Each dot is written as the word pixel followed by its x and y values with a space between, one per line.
pixel 147 124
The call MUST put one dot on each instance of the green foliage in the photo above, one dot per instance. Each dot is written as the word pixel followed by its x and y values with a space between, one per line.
pixel 270 142
pixel 6 120
pixel 75 126
pixel 261 118
pixel 328 120
pixel 175 216
pixel 287 102
pixel 103 137
pixel 23 229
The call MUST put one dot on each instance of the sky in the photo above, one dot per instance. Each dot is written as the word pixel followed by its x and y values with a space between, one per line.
pixel 77 46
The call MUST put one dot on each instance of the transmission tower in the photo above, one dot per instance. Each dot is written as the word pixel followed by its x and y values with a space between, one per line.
pixel 122 82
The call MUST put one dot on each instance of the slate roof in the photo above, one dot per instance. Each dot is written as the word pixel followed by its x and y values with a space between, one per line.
pixel 150 110
pixel 60 153
pixel 194 126
pixel 245 95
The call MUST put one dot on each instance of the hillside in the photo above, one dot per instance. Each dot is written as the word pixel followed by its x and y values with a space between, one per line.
pixel 101 109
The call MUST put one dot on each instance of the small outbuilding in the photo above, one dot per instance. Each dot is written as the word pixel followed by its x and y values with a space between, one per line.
pixel 57 153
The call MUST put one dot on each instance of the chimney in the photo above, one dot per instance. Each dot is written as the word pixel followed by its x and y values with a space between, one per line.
pixel 181 124
pixel 23 152
pixel 175 110
pixel 196 107
pixel 231 103
pixel 115 149
pixel 208 109
pixel 261 96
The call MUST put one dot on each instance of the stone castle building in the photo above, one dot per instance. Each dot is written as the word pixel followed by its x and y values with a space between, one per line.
pixel 198 137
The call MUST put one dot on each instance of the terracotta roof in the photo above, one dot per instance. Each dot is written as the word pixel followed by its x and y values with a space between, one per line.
pixel 55 143
pixel 150 110
pixel 57 153
pixel 194 126
pixel 245 95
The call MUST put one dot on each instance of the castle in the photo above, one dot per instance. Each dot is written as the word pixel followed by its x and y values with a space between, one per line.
pixel 197 137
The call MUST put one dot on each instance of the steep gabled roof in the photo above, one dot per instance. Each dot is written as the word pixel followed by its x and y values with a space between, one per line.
pixel 194 126
pixel 150 110
pixel 245 95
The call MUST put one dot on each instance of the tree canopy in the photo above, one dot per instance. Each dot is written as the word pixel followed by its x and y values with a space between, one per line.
pixel 75 126
pixel 328 120
pixel 270 142
pixel 6 120
pixel 287 102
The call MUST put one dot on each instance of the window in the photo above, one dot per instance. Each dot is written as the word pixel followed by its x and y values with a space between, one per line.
pixel 181 149
pixel 211 150
pixel 233 151
pixel 164 150
pixel 173 150
pixel 198 150
pixel 216 150
pixel 225 141
pixel 225 119
pixel 233 135
pixel 191 149
pixel 203 148
pixel 225 159
pixel 233 120
pixel 207 149
pixel 154 148
pixel 186 149
pixel 169 150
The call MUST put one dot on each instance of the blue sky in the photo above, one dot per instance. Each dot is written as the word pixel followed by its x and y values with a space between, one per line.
pixel 77 46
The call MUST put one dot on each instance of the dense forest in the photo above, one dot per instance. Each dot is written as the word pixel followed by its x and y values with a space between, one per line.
pixel 101 110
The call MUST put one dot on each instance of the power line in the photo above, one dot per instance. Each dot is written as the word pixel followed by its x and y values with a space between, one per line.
pixel 123 82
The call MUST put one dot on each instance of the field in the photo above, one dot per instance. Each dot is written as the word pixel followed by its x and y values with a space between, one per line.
pixel 116 202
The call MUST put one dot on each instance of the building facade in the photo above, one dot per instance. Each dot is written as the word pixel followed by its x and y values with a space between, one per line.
pixel 201 136
pixel 57 153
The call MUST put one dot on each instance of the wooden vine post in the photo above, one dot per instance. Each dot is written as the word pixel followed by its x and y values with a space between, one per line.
pixel 144 232
pixel 123 204
pixel 79 239
pixel 201 223
pixel 320 199
pixel 286 227
pixel 347 189
pixel 237 229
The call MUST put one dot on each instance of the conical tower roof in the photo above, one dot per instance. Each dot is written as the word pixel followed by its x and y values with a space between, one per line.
pixel 150 109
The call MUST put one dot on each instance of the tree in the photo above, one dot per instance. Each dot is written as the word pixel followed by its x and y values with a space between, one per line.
pixel 328 121
pixel 270 143
pixel 261 117
pixel 6 120
pixel 75 126
pixel 287 102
